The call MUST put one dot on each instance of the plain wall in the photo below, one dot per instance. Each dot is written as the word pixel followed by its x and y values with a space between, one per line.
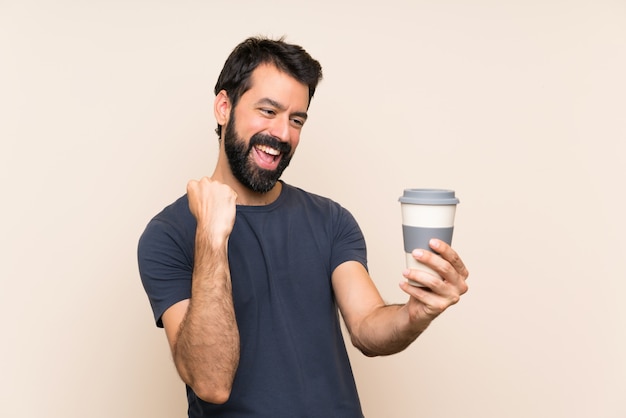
pixel 106 112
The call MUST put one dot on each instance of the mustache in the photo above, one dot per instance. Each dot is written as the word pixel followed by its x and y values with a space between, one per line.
pixel 270 141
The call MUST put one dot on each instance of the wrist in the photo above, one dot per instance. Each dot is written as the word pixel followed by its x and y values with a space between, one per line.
pixel 413 324
pixel 207 238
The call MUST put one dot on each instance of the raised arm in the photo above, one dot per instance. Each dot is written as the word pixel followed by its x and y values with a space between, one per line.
pixel 202 331
pixel 379 329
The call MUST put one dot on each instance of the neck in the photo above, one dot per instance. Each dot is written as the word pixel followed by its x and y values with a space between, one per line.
pixel 247 197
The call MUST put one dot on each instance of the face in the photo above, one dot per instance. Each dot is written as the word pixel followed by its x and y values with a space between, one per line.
pixel 242 162
pixel 263 130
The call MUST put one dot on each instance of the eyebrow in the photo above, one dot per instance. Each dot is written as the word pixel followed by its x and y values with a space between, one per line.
pixel 281 107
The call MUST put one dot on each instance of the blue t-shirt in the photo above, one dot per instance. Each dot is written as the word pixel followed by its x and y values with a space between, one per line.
pixel 293 360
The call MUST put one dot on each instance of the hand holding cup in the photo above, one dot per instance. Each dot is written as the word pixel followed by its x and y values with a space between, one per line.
pixel 426 214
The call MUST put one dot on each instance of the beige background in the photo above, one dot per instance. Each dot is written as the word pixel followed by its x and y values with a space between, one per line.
pixel 105 113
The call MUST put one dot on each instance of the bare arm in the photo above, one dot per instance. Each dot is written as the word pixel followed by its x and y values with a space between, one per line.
pixel 379 329
pixel 202 331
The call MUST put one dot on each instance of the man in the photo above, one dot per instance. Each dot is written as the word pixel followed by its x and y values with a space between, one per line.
pixel 247 273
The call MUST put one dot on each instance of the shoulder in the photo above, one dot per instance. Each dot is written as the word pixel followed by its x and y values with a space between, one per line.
pixel 317 208
pixel 165 256
pixel 175 222
pixel 175 214
pixel 297 195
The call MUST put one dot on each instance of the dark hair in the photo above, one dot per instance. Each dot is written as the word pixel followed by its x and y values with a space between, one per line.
pixel 254 51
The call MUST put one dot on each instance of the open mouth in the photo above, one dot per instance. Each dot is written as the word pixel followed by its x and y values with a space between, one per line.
pixel 267 157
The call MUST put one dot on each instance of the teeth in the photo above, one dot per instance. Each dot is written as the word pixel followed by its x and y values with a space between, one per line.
pixel 268 150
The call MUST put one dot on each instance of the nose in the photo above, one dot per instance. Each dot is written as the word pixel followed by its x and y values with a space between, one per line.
pixel 280 129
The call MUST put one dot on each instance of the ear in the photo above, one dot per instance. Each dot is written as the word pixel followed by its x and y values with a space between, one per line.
pixel 221 108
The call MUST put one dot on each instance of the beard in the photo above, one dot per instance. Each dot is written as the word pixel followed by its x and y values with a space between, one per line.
pixel 242 164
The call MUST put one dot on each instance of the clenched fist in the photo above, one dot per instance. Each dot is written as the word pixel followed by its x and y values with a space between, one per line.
pixel 214 206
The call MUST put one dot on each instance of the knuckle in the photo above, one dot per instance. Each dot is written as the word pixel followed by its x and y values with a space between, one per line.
pixel 440 306
pixel 454 299
pixel 437 285
pixel 464 287
pixel 447 269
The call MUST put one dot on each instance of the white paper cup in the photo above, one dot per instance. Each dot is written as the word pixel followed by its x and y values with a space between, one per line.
pixel 426 214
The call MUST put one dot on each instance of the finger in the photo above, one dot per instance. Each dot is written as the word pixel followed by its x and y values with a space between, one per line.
pixel 424 302
pixel 423 279
pixel 437 264
pixel 447 290
pixel 191 184
pixel 443 279
pixel 447 253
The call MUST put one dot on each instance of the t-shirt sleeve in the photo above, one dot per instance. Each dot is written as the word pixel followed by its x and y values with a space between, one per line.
pixel 165 266
pixel 348 243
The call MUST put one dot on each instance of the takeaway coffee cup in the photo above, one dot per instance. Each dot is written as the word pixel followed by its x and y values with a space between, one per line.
pixel 426 214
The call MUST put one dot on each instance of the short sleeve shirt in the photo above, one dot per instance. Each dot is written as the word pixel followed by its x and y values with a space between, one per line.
pixel 293 361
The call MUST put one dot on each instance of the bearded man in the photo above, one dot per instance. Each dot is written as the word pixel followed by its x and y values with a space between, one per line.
pixel 248 274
